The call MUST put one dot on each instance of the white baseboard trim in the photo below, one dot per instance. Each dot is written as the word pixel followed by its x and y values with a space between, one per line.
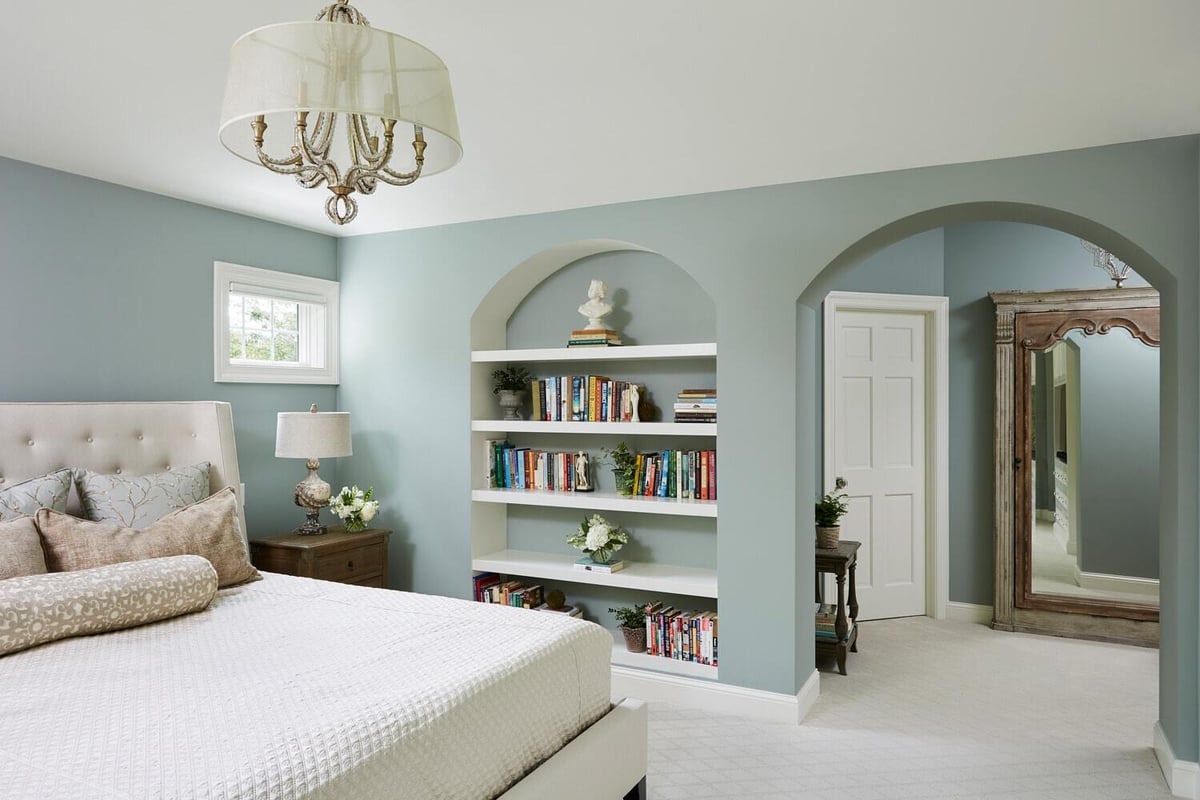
pixel 968 612
pixel 1118 583
pixel 719 698
pixel 1181 776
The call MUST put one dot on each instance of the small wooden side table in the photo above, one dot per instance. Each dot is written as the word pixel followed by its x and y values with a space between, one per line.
pixel 841 562
pixel 359 558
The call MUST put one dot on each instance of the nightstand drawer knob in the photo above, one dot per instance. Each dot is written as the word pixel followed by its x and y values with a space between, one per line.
pixel 349 565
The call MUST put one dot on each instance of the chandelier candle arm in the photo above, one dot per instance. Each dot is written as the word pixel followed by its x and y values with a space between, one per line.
pixel 304 75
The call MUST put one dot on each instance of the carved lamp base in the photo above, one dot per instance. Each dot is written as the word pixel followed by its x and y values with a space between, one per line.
pixel 312 494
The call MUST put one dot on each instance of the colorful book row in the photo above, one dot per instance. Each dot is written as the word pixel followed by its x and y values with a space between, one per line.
pixel 681 635
pixel 689 474
pixel 581 398
pixel 488 587
pixel 696 405
pixel 510 467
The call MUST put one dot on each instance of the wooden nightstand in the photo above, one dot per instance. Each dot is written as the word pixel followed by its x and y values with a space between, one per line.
pixel 358 558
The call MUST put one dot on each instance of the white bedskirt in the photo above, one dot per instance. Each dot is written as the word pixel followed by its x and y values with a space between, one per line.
pixel 293 688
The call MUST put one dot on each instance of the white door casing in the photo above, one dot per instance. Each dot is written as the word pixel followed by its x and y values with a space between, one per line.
pixel 886 432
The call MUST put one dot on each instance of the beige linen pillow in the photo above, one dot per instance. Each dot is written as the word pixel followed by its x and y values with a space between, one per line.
pixel 208 528
pixel 138 501
pixel 44 491
pixel 37 609
pixel 20 549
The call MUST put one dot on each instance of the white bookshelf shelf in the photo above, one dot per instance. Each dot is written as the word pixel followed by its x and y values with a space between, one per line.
pixel 650 577
pixel 598 501
pixel 596 428
pixel 621 657
pixel 630 353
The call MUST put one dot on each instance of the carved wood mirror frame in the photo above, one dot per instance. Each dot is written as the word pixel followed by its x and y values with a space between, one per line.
pixel 1028 322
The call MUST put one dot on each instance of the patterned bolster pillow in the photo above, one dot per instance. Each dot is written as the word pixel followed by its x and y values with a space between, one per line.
pixel 37 609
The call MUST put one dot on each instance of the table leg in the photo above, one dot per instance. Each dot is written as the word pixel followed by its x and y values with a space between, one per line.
pixel 841 626
pixel 853 604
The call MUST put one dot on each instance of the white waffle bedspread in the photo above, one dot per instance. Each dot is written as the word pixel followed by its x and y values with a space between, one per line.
pixel 293 688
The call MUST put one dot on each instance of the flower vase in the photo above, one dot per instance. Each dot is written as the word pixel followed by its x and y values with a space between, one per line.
pixel 354 524
pixel 600 556
pixel 827 537
pixel 635 639
pixel 510 401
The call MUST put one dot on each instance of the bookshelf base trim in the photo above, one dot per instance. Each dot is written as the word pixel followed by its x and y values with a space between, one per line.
pixel 716 698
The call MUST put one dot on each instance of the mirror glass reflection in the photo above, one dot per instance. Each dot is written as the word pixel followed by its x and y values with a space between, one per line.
pixel 1094 401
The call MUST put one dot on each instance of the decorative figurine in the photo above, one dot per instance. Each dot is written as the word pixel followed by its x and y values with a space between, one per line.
pixel 583 483
pixel 595 309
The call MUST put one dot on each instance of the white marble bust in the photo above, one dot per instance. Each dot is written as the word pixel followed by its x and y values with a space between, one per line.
pixel 595 309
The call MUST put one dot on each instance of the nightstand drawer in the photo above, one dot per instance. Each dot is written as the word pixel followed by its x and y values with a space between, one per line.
pixel 347 565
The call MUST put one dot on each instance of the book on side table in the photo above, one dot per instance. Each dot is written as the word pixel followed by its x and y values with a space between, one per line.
pixel 587 564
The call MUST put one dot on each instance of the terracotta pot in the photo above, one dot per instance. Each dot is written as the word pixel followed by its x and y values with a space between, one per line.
pixel 635 639
pixel 827 538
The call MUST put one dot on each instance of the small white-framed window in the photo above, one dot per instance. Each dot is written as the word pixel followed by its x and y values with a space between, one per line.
pixel 273 327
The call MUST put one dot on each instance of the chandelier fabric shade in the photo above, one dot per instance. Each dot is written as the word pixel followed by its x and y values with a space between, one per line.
pixel 319 100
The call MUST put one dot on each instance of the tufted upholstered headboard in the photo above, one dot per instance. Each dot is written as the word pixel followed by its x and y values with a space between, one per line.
pixel 122 438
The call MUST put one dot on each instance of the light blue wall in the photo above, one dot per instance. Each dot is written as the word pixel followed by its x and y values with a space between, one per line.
pixel 106 294
pixel 1118 455
pixel 754 252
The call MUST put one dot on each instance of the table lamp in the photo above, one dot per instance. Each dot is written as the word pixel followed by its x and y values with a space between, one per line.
pixel 312 435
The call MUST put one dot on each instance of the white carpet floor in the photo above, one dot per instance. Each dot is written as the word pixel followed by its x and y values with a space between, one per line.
pixel 935 710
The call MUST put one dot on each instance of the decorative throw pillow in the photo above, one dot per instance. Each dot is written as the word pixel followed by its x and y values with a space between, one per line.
pixel 44 491
pixel 208 528
pixel 139 500
pixel 44 608
pixel 20 549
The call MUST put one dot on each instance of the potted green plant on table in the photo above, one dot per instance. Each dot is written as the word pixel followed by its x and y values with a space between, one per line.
pixel 829 512
pixel 632 620
pixel 511 383
pixel 624 466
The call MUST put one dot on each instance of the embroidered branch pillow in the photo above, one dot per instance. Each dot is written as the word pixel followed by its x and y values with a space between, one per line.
pixel 46 491
pixel 208 528
pixel 136 501
pixel 20 549
pixel 44 608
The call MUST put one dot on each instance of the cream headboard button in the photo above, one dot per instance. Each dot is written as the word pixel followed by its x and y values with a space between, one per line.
pixel 140 437
pixel 89 440
pixel 30 443
pixel 118 470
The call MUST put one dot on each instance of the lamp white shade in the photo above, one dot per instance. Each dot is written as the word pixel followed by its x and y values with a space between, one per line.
pixel 307 434
pixel 340 68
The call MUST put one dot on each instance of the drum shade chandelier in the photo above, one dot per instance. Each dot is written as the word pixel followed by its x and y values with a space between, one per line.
pixel 310 78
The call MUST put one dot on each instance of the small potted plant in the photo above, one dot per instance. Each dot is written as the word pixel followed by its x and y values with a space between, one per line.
pixel 624 466
pixel 829 512
pixel 511 384
pixel 598 538
pixel 632 620
pixel 354 507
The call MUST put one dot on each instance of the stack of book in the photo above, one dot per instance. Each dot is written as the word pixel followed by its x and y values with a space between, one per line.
pixel 510 467
pixel 488 587
pixel 491 588
pixel 597 337
pixel 681 635
pixel 685 474
pixel 587 565
pixel 696 405
pixel 827 622
pixel 580 398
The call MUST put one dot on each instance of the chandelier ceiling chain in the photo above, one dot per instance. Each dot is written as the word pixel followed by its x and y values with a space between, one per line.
pixel 346 74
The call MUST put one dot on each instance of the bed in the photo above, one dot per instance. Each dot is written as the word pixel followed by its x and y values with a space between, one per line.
pixel 293 688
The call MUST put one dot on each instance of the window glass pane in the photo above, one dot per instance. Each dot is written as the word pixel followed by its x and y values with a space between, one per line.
pixel 258 346
pixel 287 347
pixel 287 316
pixel 235 343
pixel 258 313
pixel 235 310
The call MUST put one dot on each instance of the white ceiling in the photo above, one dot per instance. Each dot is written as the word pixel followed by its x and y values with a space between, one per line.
pixel 566 103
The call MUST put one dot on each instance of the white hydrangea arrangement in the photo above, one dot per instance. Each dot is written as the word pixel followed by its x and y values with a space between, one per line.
pixel 354 507
pixel 599 538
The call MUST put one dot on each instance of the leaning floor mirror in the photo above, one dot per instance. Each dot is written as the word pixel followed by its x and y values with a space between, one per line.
pixel 1076 506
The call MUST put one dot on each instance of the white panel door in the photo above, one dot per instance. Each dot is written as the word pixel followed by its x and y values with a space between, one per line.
pixel 879 387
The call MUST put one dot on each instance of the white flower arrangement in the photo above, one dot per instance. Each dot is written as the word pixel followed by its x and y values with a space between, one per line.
pixel 599 538
pixel 354 507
